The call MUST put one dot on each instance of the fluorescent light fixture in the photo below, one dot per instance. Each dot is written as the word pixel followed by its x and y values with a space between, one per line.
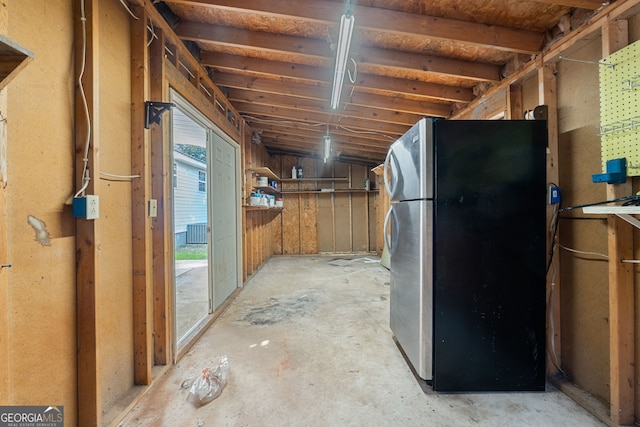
pixel 327 147
pixel 344 41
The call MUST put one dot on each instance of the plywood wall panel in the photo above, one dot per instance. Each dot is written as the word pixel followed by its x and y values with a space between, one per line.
pixel 308 224
pixel 326 225
pixel 291 224
pixel 343 233
pixel 373 221
pixel 360 222
pixel 276 233
pixel 342 170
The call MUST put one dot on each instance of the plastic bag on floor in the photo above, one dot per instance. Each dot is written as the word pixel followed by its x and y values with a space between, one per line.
pixel 210 384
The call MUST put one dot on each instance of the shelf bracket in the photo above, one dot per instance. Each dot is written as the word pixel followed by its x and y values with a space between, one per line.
pixel 630 219
pixel 153 111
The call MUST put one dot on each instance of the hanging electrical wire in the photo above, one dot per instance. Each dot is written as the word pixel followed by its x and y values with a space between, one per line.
pixel 85 160
pixel 128 10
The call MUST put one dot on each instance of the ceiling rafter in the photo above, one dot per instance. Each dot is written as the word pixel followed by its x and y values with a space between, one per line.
pixel 274 61
pixel 384 20
pixel 255 44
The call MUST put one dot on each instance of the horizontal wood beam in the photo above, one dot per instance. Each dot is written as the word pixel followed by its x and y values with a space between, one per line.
pixel 389 87
pixel 316 132
pixel 313 52
pixel 373 102
pixel 315 106
pixel 378 20
pixel 582 4
pixel 372 145
pixel 284 113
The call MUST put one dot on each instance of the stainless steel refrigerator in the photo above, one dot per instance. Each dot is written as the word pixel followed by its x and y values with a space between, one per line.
pixel 467 252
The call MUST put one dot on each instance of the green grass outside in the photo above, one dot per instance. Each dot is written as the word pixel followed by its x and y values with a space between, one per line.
pixel 191 252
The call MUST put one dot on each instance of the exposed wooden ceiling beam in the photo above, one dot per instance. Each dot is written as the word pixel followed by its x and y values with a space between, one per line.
pixel 303 50
pixel 284 113
pixel 365 83
pixel 582 4
pixel 312 106
pixel 388 21
pixel 272 129
pixel 395 104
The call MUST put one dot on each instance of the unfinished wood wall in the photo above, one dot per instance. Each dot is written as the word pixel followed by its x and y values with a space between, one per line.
pixel 312 221
pixel 594 350
pixel 329 210
pixel 38 291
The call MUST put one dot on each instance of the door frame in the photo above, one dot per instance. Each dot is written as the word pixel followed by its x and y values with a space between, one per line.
pixel 211 128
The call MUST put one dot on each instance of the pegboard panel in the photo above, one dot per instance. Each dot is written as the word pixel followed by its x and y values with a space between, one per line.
pixel 620 107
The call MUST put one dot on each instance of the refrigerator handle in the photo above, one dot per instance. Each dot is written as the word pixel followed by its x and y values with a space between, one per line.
pixel 394 236
pixel 387 171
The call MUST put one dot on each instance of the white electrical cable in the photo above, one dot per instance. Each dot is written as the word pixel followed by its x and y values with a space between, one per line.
pixel 152 31
pixel 110 175
pixel 85 170
pixel 554 355
pixel 128 10
pixel 603 256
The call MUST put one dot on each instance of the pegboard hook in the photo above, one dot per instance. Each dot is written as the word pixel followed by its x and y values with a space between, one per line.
pixel 611 66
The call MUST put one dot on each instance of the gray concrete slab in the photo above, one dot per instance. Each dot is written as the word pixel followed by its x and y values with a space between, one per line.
pixel 309 344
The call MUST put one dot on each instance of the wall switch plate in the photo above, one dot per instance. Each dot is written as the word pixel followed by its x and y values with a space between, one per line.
pixel 153 208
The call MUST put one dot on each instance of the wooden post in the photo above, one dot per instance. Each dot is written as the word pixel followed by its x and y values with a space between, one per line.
pixel 514 103
pixel 87 233
pixel 161 182
pixel 140 191
pixel 615 35
pixel 5 368
pixel 548 96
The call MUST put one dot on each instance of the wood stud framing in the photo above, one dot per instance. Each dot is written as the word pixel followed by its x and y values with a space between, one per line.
pixel 547 95
pixel 140 192
pixel 87 233
pixel 161 180
pixel 615 35
pixel 261 229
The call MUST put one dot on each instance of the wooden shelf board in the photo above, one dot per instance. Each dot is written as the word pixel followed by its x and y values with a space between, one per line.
pixel 337 179
pixel 265 172
pixel 612 210
pixel 268 190
pixel 329 191
pixel 623 212
pixel 261 208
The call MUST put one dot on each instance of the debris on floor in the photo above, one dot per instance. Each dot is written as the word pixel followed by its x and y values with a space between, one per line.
pixel 209 384
pixel 341 262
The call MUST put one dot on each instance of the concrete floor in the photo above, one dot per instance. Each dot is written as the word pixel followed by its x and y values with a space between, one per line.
pixel 309 344
pixel 192 294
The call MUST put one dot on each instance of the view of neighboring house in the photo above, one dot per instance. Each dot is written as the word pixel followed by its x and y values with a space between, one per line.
pixel 190 195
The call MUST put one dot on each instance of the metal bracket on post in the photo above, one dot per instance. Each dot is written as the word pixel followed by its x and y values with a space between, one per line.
pixel 153 111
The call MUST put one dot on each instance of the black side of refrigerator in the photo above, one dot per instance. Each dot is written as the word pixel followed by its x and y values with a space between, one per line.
pixel 489 255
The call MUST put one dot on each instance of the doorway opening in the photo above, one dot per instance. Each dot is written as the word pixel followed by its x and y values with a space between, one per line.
pixel 206 222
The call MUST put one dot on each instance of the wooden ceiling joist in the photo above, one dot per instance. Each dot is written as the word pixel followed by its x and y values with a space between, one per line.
pixel 274 60
pixel 388 21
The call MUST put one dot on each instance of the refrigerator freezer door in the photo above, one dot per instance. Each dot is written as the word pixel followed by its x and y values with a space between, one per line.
pixel 408 171
pixel 489 268
pixel 411 299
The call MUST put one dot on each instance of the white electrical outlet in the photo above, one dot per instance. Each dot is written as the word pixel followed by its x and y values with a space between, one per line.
pixel 93 207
